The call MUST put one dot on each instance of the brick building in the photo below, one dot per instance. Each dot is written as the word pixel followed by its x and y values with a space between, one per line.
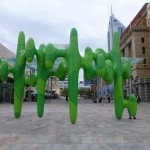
pixel 135 43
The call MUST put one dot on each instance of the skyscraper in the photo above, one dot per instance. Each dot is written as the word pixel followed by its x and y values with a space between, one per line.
pixel 114 26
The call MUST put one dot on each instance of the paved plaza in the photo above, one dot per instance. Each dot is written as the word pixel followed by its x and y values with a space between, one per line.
pixel 96 128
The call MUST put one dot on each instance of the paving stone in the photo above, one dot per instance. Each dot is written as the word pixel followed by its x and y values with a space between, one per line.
pixel 96 128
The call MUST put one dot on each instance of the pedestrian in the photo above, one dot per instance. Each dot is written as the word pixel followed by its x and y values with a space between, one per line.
pixel 130 117
pixel 138 98
pixel 66 100
pixel 12 100
pixel 101 100
pixel 108 98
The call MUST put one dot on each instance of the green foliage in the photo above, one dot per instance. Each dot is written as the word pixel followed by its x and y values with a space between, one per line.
pixel 64 92
pixel 85 93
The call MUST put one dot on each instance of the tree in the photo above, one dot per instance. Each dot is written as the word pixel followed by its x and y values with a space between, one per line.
pixel 85 93
pixel 64 92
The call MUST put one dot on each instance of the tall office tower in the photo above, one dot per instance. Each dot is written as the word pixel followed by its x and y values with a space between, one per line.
pixel 114 26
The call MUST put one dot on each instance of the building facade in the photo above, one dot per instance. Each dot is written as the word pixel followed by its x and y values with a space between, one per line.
pixel 135 43
pixel 6 89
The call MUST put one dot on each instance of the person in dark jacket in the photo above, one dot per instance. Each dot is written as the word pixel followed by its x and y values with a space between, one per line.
pixel 108 98
pixel 138 98
pixel 66 100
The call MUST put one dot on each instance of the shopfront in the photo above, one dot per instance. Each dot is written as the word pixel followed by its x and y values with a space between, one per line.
pixel 6 92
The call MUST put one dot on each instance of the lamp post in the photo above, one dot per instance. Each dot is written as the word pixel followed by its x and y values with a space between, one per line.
pixel 94 96
pixel 48 88
pixel 101 87
pixel 51 86
pixel 98 87
pixel 29 95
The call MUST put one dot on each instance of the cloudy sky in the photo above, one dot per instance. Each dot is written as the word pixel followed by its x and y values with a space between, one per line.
pixel 50 21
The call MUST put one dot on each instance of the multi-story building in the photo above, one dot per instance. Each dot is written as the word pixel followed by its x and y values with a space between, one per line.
pixel 114 26
pixel 6 89
pixel 135 43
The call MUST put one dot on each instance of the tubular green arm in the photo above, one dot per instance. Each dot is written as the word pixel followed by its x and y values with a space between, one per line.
pixel 118 91
pixel 42 72
pixel 126 70
pixel 32 80
pixel 105 69
pixel 73 58
pixel 42 75
pixel 18 71
pixel 61 71
pixel 51 53
pixel 86 63
pixel 74 63
pixel 102 52
pixel 131 105
pixel 120 73
pixel 4 70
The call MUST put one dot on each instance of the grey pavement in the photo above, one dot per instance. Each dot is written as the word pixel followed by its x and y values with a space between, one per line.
pixel 96 128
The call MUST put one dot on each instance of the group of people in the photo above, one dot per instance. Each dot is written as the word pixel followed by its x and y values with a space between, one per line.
pixel 100 100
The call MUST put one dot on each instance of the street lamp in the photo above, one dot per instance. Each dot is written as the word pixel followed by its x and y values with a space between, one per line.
pixel 51 86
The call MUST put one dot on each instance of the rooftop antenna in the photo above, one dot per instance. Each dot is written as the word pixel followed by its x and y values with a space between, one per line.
pixel 111 11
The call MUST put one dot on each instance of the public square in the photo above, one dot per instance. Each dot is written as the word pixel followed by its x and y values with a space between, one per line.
pixel 96 128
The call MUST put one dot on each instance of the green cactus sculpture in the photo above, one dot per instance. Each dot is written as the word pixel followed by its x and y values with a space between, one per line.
pixel 107 65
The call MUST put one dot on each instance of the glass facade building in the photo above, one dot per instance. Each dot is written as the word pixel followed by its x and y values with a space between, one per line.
pixel 114 26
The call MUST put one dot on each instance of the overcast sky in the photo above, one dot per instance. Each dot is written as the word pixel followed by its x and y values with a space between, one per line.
pixel 50 21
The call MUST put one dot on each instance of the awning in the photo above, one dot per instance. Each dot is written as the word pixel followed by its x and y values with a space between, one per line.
pixel 133 60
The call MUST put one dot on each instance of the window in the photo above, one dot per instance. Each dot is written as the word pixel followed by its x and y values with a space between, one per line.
pixel 144 62
pixel 123 52
pixel 143 50
pixel 33 70
pixel 120 30
pixel 115 20
pixel 142 40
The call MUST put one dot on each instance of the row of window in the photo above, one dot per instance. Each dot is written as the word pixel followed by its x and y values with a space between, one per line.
pixel 143 51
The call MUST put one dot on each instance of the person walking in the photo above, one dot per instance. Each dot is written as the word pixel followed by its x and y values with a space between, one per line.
pixel 108 98
pixel 101 100
pixel 138 98
pixel 66 100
